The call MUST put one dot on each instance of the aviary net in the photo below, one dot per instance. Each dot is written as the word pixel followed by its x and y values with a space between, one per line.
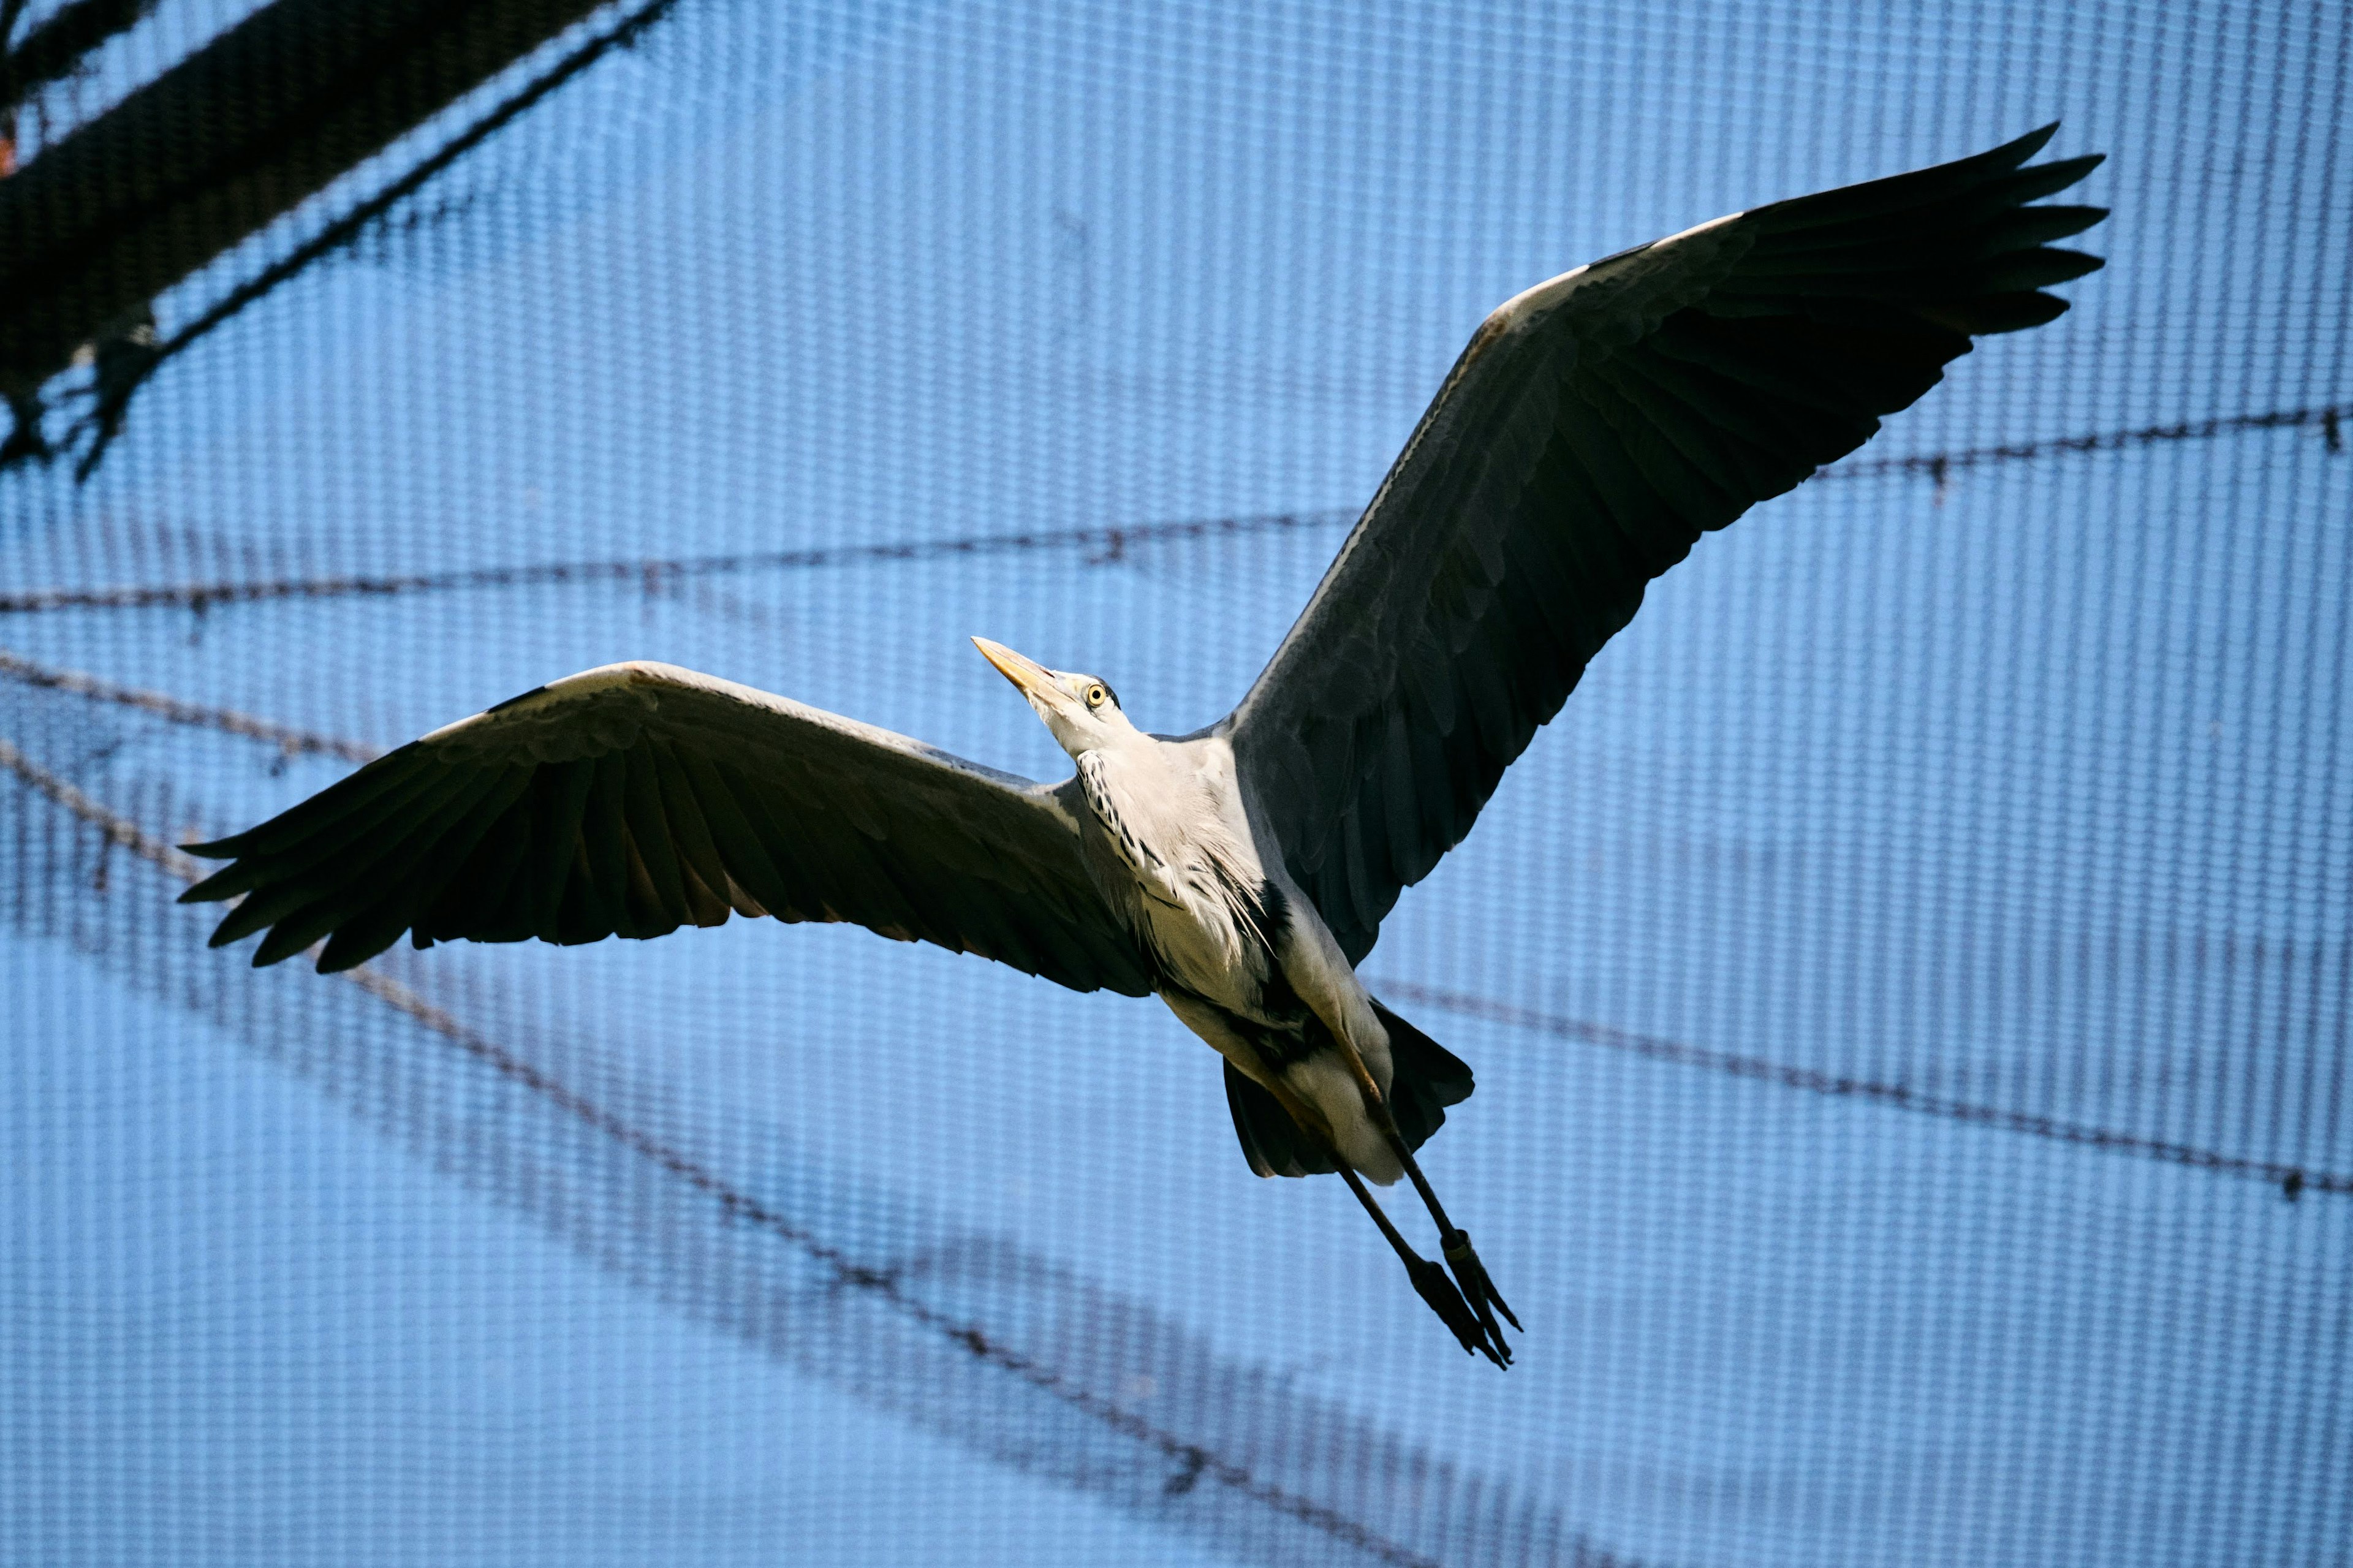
pixel 1907 984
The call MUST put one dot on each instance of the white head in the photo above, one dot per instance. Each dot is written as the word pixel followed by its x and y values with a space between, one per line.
pixel 1081 710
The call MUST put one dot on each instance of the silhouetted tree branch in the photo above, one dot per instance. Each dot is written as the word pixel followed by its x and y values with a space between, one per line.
pixel 235 135
pixel 55 49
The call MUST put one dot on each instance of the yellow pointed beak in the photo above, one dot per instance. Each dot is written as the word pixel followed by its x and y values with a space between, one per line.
pixel 1029 677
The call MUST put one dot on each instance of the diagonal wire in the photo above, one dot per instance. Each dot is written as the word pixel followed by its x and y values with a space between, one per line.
pixel 972 1338
pixel 1106 544
pixel 2292 1181
pixel 289 741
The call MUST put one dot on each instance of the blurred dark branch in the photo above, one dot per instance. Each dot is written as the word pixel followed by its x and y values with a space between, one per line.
pixel 107 418
pixel 2292 1181
pixel 54 50
pixel 224 141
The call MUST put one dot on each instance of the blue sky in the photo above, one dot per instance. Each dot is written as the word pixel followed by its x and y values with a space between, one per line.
pixel 2024 792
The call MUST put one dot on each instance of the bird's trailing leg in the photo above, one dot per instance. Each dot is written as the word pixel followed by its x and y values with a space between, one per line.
pixel 1429 1280
pixel 1453 1242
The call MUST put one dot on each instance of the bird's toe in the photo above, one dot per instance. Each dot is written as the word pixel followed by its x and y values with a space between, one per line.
pixel 1477 1287
pixel 1438 1292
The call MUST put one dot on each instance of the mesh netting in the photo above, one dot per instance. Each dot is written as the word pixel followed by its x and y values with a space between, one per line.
pixel 1907 984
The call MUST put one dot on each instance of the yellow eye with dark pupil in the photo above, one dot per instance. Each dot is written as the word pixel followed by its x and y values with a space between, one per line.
pixel 1095 696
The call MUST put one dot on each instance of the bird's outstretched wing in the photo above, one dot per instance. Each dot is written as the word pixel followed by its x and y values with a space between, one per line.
pixel 637 798
pixel 1595 427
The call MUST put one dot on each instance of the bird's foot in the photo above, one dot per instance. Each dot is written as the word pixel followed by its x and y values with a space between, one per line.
pixel 1477 1287
pixel 1444 1299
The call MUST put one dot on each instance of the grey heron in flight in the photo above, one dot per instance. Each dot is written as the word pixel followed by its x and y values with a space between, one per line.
pixel 1594 428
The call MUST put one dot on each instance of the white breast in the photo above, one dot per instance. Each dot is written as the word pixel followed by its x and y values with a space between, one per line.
pixel 1176 822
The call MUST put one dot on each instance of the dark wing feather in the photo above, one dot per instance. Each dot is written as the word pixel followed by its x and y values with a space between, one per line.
pixel 1593 429
pixel 638 798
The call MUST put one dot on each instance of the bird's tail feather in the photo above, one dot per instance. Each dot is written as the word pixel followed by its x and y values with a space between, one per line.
pixel 1271 1141
pixel 1425 1078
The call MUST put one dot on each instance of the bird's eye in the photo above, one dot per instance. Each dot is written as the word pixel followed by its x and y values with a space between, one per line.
pixel 1095 695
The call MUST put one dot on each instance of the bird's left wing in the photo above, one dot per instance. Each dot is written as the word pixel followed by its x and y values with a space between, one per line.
pixel 1595 427
pixel 636 798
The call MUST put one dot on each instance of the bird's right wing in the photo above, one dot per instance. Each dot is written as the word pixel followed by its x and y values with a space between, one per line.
pixel 636 798
pixel 1596 425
